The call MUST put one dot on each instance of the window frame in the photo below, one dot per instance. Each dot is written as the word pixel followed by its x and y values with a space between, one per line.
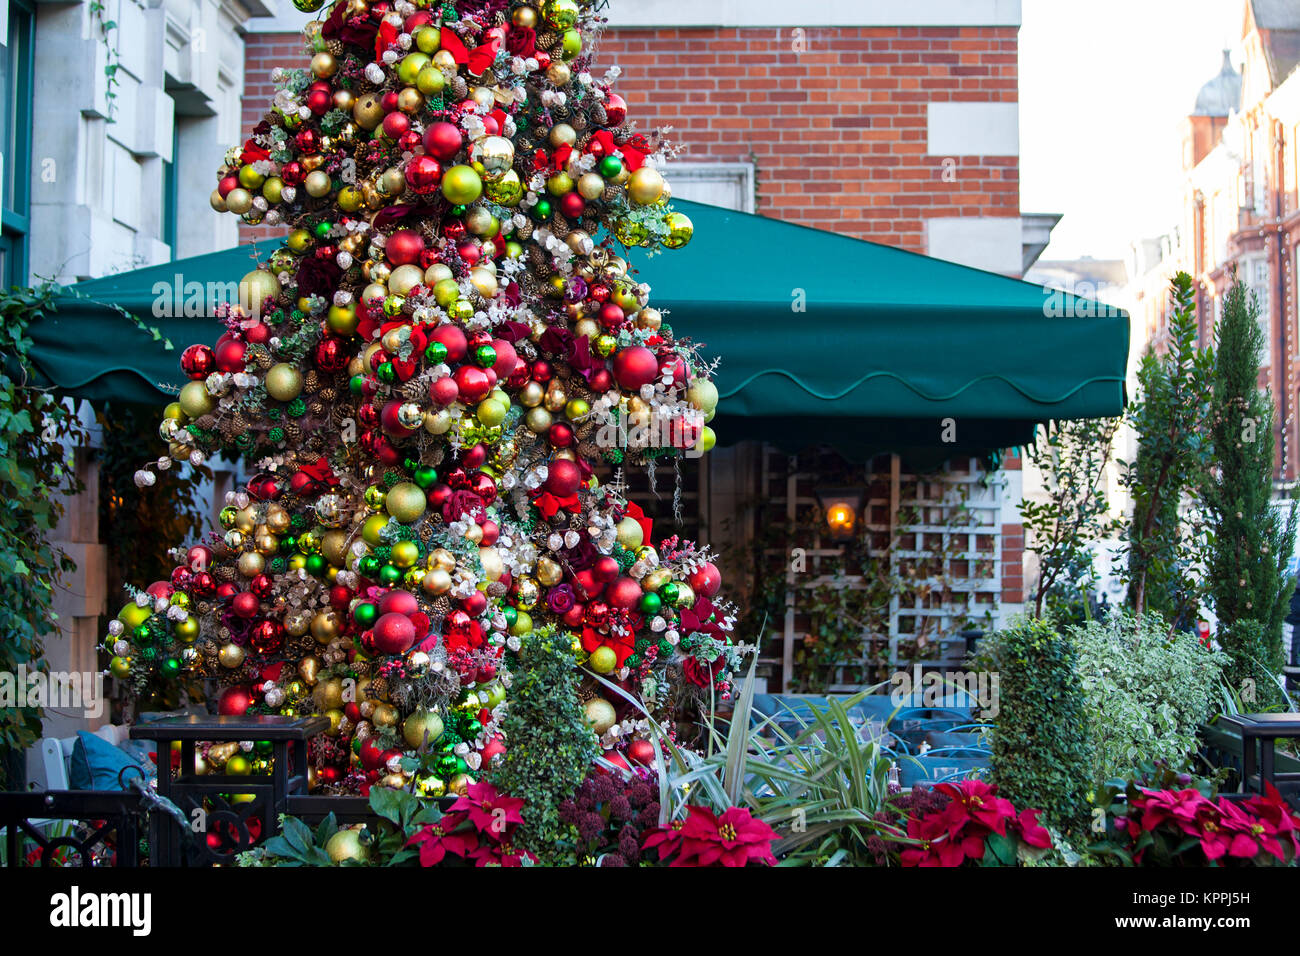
pixel 15 209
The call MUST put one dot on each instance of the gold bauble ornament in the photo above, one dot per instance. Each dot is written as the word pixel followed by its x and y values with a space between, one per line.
pixel 309 669
pixel 423 726
pixel 440 559
pixel 680 230
pixel 495 154
pixel 318 184
pixel 436 582
pixel 649 319
pixel 645 186
pixel 328 693
pixel 406 502
pixel 549 572
pixel 559 73
pixel 217 201
pixel 195 400
pixel 629 534
pixel 284 382
pixel 600 714
pixel 562 134
pixel 405 278
pixel 231 656
pixel 251 564
pixel 493 567
pixel 506 190
pixel 256 289
pixel 346 844
pixel 524 17
pixel 239 201
pixel 325 626
pixel 323 65
pixel 526 593
pixel 368 111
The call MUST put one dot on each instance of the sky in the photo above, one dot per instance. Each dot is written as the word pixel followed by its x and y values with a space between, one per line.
pixel 1103 87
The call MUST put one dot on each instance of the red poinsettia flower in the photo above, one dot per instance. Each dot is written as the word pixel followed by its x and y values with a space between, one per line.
pixel 733 839
pixel 976 801
pixel 490 813
pixel 1278 819
pixel 935 846
pixel 668 839
pixel 438 839
pixel 505 854
pixel 1030 832
pixel 622 643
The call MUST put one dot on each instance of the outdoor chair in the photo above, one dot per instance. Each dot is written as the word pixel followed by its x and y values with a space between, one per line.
pixel 928 770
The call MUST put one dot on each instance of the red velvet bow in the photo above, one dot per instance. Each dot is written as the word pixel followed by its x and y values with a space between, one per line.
pixel 623 645
pixel 633 511
pixel 253 153
pixel 453 45
pixel 320 471
pixel 695 620
pixel 560 158
pixel 484 56
pixel 385 38
pixel 548 504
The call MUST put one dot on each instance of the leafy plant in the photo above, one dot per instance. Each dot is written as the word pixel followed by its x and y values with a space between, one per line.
pixel 1164 541
pixel 1249 671
pixel 1145 692
pixel 549 744
pixel 1252 540
pixel 1043 753
pixel 1072 457
pixel 39 436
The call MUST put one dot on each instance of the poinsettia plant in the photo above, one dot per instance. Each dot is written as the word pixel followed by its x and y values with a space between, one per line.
pixel 968 824
pixel 704 838
pixel 1190 827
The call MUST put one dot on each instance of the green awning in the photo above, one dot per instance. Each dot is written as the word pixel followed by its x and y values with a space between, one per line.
pixel 821 337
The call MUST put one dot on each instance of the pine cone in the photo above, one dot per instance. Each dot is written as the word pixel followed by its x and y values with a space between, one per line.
pixel 260 356
pixel 459 88
pixel 441 607
pixel 378 689
pixel 292 433
pixel 611 193
pixel 598 114
pixel 328 394
pixel 547 39
pixel 579 121
pixel 315 408
pixel 224 572
pixel 335 47
pixel 560 225
pixel 311 381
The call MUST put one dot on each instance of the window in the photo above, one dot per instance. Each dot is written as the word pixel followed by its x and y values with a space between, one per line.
pixel 16 146
pixel 1254 272
pixel 170 194
pixel 729 185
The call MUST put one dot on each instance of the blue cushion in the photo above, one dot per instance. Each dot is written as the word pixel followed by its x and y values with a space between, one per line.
pixel 97 764
pixel 914 770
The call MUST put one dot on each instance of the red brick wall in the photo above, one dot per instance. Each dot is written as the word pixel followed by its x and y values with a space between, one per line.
pixel 837 132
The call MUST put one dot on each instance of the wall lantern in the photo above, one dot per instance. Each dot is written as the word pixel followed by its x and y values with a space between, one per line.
pixel 840 506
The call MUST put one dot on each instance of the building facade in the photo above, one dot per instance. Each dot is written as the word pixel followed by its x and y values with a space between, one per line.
pixel 115 115
pixel 1241 208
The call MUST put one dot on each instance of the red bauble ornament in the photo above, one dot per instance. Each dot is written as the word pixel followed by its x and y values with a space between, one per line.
pixel 623 592
pixel 245 604
pixel 574 616
pixel 560 435
pixel 318 101
pixel 444 391
pixel 395 124
pixel 226 590
pixel 507 358
pixel 267 637
pixel 198 362
pixel 438 495
pixel 572 205
pixel 198 558
pixel 443 140
pixel 372 755
pixel 475 604
pixel 615 110
pixel 601 380
pixel 340 597
pixel 586 585
pixel 230 355
pixel 391 424
pixel 160 589
pixel 473 383
pixel 475 456
pixel 611 316
pixel 389 100
pixel 404 247
pixel 259 333
pixel 182 578
pixel 491 531
pixel 262 586
pixel 398 602
pixel 453 338
pixel 423 174
pixel 331 354
pixel 292 174
pixel 642 752
pixel 705 580
pixel 491 749
pixel 203 585
pixel 393 634
pixel 542 371
pixel 605 568
pixel 563 478
pixel 235 701
pixel 227 184
pixel 635 366
pixel 483 486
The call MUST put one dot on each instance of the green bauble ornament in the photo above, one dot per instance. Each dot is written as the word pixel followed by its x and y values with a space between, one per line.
pixel 308 6
pixel 195 400
pixel 365 614
pixel 425 476
pixel 389 576
pixel 461 185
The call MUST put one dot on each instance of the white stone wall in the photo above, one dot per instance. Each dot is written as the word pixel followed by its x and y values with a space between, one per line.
pixel 98 163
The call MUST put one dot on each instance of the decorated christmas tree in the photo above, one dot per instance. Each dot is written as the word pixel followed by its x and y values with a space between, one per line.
pixel 427 381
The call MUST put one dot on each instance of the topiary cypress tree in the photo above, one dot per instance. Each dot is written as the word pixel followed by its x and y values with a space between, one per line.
pixel 1042 751
pixel 1252 539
